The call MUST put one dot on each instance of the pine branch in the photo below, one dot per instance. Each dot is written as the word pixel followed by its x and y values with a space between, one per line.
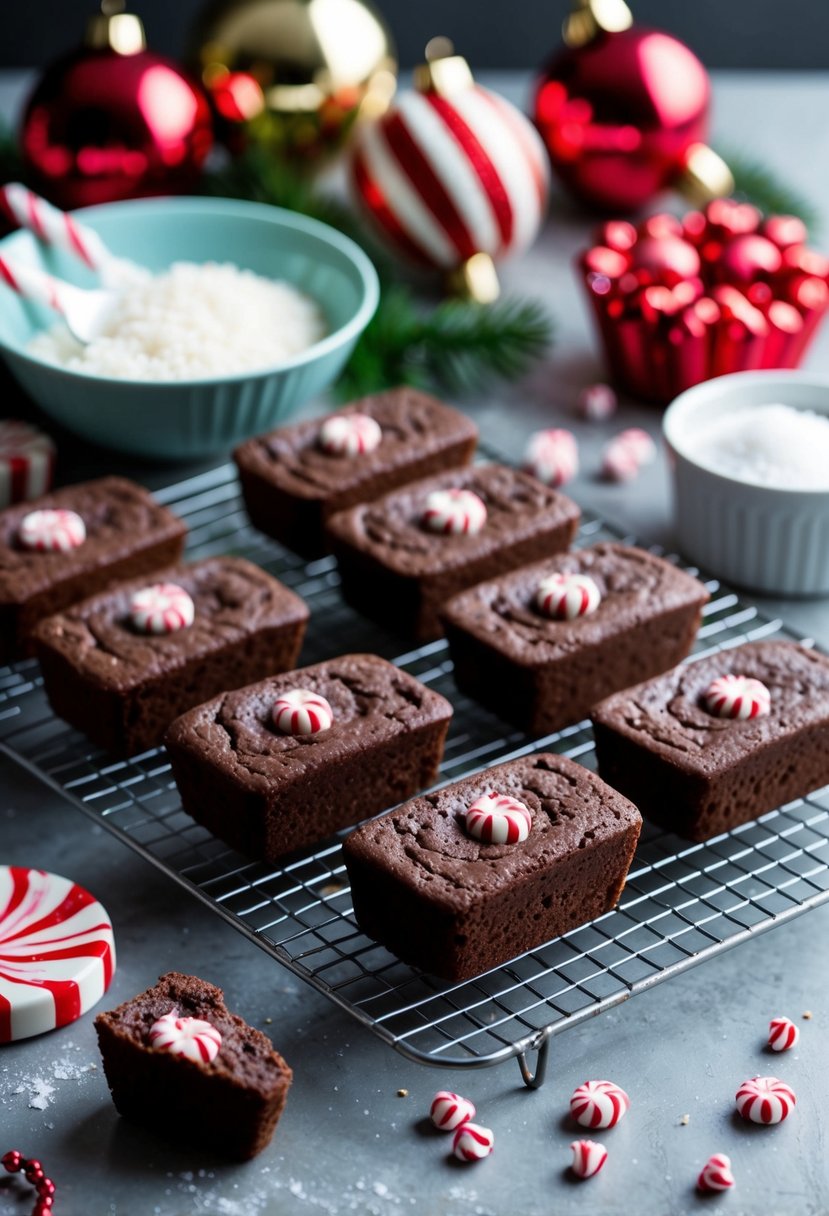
pixel 758 184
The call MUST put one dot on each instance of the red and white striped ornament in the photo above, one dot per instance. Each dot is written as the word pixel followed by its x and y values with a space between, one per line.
pixel 472 1142
pixel 51 531
pixel 565 596
pixel 301 712
pixel 738 697
pixel 716 1174
pixel 552 456
pixel 765 1100
pixel 27 462
pixel 588 1158
pixel 161 608
pixel 597 402
pixel 188 1038
pixel 450 1111
pixel 349 435
pixel 498 819
pixel 454 512
pixel 599 1104
pixel 783 1034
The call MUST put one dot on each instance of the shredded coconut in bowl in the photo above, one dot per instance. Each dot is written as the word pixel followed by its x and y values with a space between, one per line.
pixel 770 445
pixel 193 321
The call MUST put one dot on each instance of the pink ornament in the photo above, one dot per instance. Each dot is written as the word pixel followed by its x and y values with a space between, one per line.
pixel 564 597
pixel 188 1038
pixel 619 462
pixel 738 697
pixel 552 456
pixel 498 819
pixel 597 402
pixel 783 1034
pixel 599 1104
pixel 454 512
pixel 53 531
pixel 350 435
pixel 472 1142
pixel 765 1100
pixel 27 459
pixel 588 1158
pixel 450 1111
pixel 161 608
pixel 716 1174
pixel 301 712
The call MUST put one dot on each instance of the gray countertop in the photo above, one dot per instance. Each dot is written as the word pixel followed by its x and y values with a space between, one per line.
pixel 348 1142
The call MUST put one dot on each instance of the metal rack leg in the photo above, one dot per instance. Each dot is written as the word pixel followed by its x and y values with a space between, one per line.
pixel 535 1079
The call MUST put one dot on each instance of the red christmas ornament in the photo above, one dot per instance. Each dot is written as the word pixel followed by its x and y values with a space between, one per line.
pixel 112 120
pixel 624 111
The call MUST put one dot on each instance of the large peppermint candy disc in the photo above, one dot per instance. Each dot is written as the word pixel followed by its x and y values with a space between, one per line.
pixel 716 1174
pixel 449 1111
pixel 161 608
pixel 349 435
pixel 599 1104
pixel 588 1158
pixel 783 1034
pixel 552 456
pixel 27 459
pixel 454 512
pixel 472 1142
pixel 50 530
pixel 765 1100
pixel 301 712
pixel 498 819
pixel 738 697
pixel 189 1038
pixel 563 597
pixel 57 952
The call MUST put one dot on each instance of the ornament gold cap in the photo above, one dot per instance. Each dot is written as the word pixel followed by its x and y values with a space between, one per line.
pixel 475 279
pixel 116 30
pixel 444 72
pixel 705 176
pixel 592 17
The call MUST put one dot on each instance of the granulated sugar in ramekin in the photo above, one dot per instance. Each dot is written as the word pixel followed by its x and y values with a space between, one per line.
pixel 769 445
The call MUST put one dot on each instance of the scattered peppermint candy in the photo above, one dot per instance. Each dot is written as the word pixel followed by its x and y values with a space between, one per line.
pixel 783 1034
pixel 563 597
pixel 27 459
pixel 349 435
pixel 639 443
pixel 450 1111
pixel 188 1038
pixel 599 1104
pixel 162 608
pixel 588 1158
pixel 765 1100
pixel 454 512
pixel 597 402
pixel 50 530
pixel 498 819
pixel 301 712
pixel 716 1174
pixel 552 456
pixel 472 1142
pixel 619 462
pixel 737 697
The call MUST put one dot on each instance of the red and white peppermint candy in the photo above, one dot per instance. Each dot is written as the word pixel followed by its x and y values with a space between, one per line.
pixel 57 952
pixel 619 462
pixel 301 712
pixel 472 1142
pixel 454 512
pixel 565 596
pixel 716 1174
pixel 765 1100
pixel 588 1158
pixel 188 1038
pixel 783 1034
pixel 349 435
pixel 27 461
pixel 449 1111
pixel 738 697
pixel 161 608
pixel 53 531
pixel 552 456
pixel 498 819
pixel 599 1104
pixel 639 443
pixel 597 402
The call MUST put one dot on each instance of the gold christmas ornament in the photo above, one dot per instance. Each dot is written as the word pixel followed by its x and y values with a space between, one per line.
pixel 295 74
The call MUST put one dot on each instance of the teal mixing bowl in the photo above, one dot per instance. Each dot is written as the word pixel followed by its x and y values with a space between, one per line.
pixel 173 420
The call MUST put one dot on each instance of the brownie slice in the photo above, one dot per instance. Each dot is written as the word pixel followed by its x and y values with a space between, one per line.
pixel 456 907
pixel 123 688
pixel 268 793
pixel 399 573
pixel 230 1105
pixel 698 774
pixel 127 533
pixel 541 673
pixel 291 486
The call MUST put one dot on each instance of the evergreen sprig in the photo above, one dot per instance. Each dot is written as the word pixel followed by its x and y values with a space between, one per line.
pixel 758 184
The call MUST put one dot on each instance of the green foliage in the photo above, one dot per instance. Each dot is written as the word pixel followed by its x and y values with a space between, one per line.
pixel 758 184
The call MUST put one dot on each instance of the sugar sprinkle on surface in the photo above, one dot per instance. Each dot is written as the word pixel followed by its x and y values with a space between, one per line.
pixel 770 445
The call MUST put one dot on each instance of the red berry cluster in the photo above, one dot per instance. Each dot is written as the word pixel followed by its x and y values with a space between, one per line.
pixel 15 1163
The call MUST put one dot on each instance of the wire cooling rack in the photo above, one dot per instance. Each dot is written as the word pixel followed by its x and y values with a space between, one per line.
pixel 682 903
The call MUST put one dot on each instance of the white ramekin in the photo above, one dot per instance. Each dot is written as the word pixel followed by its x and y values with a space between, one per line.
pixel 769 540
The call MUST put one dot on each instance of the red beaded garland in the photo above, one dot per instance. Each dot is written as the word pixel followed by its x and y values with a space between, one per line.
pixel 15 1163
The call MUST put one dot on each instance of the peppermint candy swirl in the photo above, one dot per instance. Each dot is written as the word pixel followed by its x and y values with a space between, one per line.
pixel 27 458
pixel 599 1104
pixel 783 1034
pixel 54 531
pixel 597 402
pixel 552 456
pixel 588 1158
pixel 161 608
pixel 498 819
pixel 188 1038
pixel 716 1174
pixel 454 512
pixel 765 1100
pixel 301 712
pixel 639 443
pixel 450 1111
pixel 619 462
pixel 472 1142
pixel 738 697
pixel 563 597
pixel 349 435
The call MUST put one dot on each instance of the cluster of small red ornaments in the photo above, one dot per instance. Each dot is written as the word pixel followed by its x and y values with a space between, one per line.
pixel 15 1163
pixel 677 301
